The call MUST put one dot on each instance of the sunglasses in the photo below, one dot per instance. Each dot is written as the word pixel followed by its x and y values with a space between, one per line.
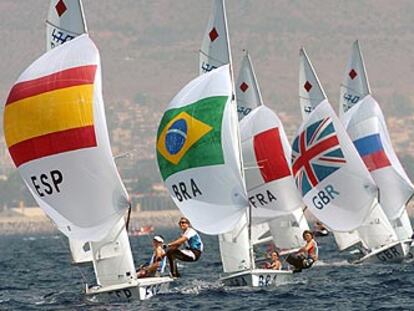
pixel 182 222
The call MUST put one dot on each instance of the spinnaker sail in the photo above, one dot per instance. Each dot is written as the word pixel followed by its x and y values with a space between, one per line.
pixel 55 130
pixel 198 153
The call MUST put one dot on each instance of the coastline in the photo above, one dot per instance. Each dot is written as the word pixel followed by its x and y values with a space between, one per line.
pixel 22 221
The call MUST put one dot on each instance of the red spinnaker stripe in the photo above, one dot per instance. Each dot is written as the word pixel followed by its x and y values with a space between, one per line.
pixel 312 152
pixel 66 78
pixel 270 155
pixel 53 143
pixel 376 160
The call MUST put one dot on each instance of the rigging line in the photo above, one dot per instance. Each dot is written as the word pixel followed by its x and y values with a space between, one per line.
pixel 128 216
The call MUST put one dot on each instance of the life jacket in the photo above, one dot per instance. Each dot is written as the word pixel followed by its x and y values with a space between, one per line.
pixel 163 262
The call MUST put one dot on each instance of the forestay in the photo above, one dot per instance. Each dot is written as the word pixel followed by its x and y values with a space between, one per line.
pixel 311 92
pixel 266 156
pixel 329 173
pixel 247 89
pixel 215 49
pixel 355 85
pixel 65 21
pixel 198 153
pixel 366 126
pixel 55 129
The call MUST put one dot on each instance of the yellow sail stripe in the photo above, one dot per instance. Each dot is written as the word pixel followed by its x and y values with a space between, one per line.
pixel 48 112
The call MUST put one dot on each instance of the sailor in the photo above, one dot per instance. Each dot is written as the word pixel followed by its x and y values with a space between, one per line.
pixel 275 264
pixel 158 261
pixel 193 246
pixel 306 255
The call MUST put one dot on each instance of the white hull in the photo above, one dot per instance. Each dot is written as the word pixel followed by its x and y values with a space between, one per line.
pixel 140 289
pixel 258 278
pixel 393 252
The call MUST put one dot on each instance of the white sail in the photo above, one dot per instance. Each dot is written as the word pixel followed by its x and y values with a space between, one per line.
pixel 65 21
pixel 247 89
pixel 333 180
pixel 355 85
pixel 345 240
pixel 235 256
pixel 287 231
pixel 215 48
pixel 75 181
pixel 266 157
pixel 366 126
pixel 198 153
pixel 376 231
pixel 112 258
pixel 311 92
pixel 402 226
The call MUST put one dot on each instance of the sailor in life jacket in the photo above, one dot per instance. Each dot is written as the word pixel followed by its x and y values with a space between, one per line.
pixel 158 261
pixel 306 255
pixel 193 246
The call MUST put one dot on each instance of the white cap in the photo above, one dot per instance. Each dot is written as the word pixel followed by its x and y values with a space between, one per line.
pixel 158 239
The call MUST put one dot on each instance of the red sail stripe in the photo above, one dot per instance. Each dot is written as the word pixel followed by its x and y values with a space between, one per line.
pixel 53 143
pixel 270 155
pixel 66 78
pixel 376 160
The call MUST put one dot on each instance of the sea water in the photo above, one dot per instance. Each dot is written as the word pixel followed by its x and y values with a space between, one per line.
pixel 35 274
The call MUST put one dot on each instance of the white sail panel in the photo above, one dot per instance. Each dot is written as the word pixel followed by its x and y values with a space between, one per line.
pixel 64 155
pixel 311 92
pixel 259 233
pixel 266 156
pixel 333 180
pixel 234 247
pixel 287 231
pixel 376 231
pixel 247 89
pixel 355 85
pixel 215 48
pixel 402 226
pixel 345 240
pixel 81 251
pixel 198 153
pixel 112 258
pixel 65 21
pixel 366 126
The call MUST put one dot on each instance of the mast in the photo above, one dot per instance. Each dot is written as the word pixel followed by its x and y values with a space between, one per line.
pixel 249 212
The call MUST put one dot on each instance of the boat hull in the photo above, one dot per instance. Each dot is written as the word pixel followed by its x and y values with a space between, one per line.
pixel 258 278
pixel 393 252
pixel 140 289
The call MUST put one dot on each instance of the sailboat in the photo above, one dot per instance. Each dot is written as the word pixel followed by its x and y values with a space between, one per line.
pixel 219 203
pixel 55 130
pixel 286 228
pixel 369 221
pixel 365 124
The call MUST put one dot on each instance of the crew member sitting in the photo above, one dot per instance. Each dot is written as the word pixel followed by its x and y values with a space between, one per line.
pixel 275 264
pixel 193 246
pixel 307 255
pixel 157 262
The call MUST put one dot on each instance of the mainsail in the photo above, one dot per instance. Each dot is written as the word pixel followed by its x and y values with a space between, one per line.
pixel 247 89
pixel 64 155
pixel 311 92
pixel 215 48
pixel 355 85
pixel 198 153
pixel 65 21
